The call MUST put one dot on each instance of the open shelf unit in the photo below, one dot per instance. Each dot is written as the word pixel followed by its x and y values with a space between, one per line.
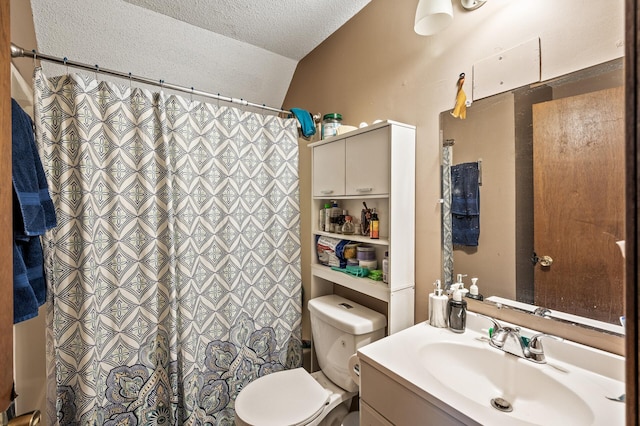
pixel 373 165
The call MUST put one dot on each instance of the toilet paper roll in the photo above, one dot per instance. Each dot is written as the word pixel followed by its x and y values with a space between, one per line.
pixel 354 369
pixel 369 264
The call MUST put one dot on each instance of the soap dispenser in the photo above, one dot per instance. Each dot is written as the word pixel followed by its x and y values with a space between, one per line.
pixel 457 310
pixel 438 307
pixel 473 290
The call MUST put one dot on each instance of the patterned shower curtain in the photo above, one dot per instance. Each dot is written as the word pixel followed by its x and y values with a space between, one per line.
pixel 174 273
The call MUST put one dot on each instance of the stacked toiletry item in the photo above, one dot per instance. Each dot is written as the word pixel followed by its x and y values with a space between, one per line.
pixel 33 215
pixel 345 255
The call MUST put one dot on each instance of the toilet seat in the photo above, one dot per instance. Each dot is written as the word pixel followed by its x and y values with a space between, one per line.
pixel 290 397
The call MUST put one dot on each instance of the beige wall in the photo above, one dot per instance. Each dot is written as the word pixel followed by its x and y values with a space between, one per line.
pixel 492 124
pixel 23 34
pixel 376 67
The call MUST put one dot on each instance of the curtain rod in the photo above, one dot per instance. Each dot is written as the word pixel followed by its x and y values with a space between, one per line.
pixel 19 52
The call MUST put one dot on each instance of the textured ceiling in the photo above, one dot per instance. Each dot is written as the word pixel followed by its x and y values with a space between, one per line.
pixel 291 28
pixel 237 48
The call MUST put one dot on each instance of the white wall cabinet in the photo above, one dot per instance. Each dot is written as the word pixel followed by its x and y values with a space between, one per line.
pixel 374 165
pixel 368 159
pixel 329 157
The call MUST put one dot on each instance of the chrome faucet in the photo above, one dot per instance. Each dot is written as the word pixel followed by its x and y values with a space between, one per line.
pixel 508 339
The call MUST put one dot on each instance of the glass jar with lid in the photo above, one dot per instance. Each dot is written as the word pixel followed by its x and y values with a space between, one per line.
pixel 348 227
pixel 330 124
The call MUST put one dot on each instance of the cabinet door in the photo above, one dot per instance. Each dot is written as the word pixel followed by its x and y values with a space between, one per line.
pixel 368 163
pixel 328 169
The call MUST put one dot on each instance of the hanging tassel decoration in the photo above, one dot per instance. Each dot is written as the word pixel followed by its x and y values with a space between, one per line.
pixel 460 108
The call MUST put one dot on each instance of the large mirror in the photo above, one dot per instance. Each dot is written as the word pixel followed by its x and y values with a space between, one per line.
pixel 550 169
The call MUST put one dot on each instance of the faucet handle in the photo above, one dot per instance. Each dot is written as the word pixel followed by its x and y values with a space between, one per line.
pixel 496 324
pixel 535 349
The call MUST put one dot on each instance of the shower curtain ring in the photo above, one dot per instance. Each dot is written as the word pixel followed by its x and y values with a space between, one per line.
pixel 97 71
pixel 129 80
pixel 35 57
pixel 64 61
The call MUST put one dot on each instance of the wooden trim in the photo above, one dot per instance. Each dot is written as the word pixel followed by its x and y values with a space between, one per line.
pixel 6 235
pixel 632 167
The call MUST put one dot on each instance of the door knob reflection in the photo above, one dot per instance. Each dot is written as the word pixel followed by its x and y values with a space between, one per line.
pixel 546 261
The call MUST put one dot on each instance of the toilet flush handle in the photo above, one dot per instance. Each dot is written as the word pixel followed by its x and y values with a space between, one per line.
pixel 354 369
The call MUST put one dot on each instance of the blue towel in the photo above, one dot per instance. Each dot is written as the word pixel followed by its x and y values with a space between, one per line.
pixel 29 286
pixel 37 213
pixel 33 214
pixel 306 121
pixel 465 204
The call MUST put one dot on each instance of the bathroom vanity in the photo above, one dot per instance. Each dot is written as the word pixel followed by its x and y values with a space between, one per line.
pixel 433 376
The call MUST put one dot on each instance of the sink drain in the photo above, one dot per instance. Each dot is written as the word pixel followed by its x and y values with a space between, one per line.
pixel 501 404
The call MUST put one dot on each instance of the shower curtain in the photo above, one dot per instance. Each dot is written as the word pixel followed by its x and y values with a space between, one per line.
pixel 174 273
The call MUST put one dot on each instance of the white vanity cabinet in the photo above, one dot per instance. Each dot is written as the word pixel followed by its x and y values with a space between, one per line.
pixel 396 404
pixel 374 165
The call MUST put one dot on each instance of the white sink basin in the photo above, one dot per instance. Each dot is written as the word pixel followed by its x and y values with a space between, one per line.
pixel 490 373
pixel 462 374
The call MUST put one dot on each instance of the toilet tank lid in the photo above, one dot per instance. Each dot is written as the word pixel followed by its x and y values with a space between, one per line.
pixel 346 315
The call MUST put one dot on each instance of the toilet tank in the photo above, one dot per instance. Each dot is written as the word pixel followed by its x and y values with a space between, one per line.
pixel 339 327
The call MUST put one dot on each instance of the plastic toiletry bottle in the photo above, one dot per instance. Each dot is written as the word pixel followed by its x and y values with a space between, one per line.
pixel 457 311
pixel 438 307
pixel 327 217
pixel 458 284
pixel 321 220
pixel 385 268
pixel 374 226
pixel 473 290
pixel 335 214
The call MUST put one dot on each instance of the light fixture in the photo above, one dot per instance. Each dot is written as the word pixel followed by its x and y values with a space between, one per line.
pixel 433 16
pixel 472 4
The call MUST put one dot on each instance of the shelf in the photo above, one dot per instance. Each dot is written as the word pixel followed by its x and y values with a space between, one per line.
pixel 375 289
pixel 355 237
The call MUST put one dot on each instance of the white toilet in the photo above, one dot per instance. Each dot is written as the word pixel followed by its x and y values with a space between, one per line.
pixel 295 397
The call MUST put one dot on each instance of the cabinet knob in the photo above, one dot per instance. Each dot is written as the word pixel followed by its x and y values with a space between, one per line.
pixel 364 189
pixel 327 191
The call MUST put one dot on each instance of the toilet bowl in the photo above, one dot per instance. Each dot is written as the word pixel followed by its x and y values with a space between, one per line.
pixel 296 397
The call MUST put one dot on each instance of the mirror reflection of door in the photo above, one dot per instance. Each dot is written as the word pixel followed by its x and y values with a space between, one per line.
pixel 578 148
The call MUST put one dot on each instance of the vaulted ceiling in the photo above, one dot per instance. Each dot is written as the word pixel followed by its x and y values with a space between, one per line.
pixel 239 48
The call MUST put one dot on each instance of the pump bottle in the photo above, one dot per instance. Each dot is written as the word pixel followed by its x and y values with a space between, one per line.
pixel 438 307
pixel 457 310
pixel 473 290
